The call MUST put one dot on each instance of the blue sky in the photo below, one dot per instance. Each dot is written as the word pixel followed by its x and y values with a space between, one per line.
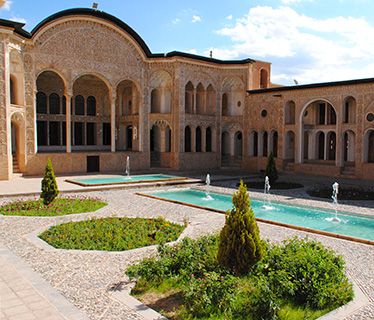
pixel 307 40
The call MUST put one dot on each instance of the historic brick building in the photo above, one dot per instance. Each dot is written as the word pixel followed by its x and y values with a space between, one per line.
pixel 83 89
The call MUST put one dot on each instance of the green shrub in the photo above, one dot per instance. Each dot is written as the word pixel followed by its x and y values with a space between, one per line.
pixel 49 184
pixel 185 258
pixel 210 294
pixel 271 169
pixel 307 273
pixel 240 246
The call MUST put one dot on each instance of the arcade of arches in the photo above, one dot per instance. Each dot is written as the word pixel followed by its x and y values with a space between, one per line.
pixel 180 111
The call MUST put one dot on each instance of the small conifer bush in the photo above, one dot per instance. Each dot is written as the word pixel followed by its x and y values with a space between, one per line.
pixel 49 184
pixel 271 169
pixel 240 246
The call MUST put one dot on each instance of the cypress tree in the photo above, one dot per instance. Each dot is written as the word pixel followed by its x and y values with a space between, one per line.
pixel 240 246
pixel 271 169
pixel 49 184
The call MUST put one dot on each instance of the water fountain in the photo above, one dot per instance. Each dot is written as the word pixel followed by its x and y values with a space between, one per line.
pixel 267 206
pixel 207 184
pixel 335 191
pixel 128 167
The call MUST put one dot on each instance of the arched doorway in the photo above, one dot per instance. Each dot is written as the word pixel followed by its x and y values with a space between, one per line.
pixel 289 146
pixel 369 146
pixel 18 142
pixel 225 149
pixel 238 145
pixel 198 140
pixel 187 139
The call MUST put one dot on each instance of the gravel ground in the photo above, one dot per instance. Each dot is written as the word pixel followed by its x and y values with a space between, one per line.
pixel 86 278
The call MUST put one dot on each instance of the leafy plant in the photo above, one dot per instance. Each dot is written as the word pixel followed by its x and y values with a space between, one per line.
pixel 240 246
pixel 59 207
pixel 271 169
pixel 209 294
pixel 308 273
pixel 49 184
pixel 111 234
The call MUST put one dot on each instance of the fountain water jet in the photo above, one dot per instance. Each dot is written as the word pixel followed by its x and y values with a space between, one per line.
pixel 207 184
pixel 335 191
pixel 128 167
pixel 267 206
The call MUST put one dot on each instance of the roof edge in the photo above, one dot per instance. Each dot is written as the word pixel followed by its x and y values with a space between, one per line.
pixel 18 28
pixel 313 85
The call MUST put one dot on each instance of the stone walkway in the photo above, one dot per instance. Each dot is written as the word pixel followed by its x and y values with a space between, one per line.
pixel 25 296
pixel 87 279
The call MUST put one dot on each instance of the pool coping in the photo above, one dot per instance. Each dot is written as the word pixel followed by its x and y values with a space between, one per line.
pixel 82 184
pixel 320 232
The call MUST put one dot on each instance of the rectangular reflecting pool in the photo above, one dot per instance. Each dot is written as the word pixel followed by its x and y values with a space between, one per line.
pixel 307 218
pixel 122 179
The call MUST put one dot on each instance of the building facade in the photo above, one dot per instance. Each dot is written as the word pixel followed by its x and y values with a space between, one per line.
pixel 83 89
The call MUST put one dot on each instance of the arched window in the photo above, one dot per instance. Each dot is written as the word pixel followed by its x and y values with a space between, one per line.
pixel 211 100
pixel 208 140
pixel 91 106
pixel 238 146
pixel 289 113
pixel 13 99
pixel 200 99
pixel 263 79
pixel 225 105
pixel 275 144
pixel 253 144
pixel 63 105
pixel 79 105
pixel 331 151
pixel 189 98
pixel 41 103
pixel 187 139
pixel 349 110
pixel 369 146
pixel 198 139
pixel 265 144
pixel 54 103
pixel 155 101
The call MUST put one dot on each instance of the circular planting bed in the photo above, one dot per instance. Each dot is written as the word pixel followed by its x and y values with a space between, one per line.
pixel 345 192
pixel 112 234
pixel 279 185
pixel 59 207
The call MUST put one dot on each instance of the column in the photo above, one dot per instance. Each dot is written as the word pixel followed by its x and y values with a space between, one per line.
pixel 113 123
pixel 326 147
pixel 194 101
pixel 260 144
pixel 68 97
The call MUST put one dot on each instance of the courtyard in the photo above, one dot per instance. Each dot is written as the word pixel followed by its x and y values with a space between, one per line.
pixel 92 284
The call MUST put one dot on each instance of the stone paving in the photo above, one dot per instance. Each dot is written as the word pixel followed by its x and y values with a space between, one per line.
pixel 87 278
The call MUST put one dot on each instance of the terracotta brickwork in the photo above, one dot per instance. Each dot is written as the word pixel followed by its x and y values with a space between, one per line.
pixel 85 84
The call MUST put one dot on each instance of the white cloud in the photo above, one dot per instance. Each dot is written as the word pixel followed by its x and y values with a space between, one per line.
pixel 302 47
pixel 5 4
pixel 192 51
pixel 196 18
pixel 290 2
pixel 18 19
pixel 229 17
pixel 176 21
